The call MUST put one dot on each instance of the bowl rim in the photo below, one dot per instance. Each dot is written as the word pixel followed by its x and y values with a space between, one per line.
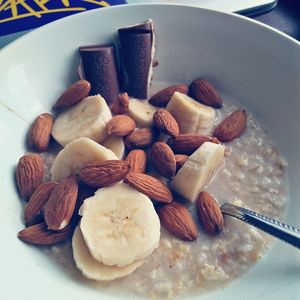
pixel 61 21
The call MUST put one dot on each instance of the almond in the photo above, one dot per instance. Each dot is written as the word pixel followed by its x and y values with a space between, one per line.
pixel 177 219
pixel 165 122
pixel 163 159
pixel 105 173
pixel 188 143
pixel 40 132
pixel 163 97
pixel 150 186
pixel 33 212
pixel 210 214
pixel 38 234
pixel 180 160
pixel 141 138
pixel 29 174
pixel 203 91
pixel 121 105
pixel 60 206
pixel 73 94
pixel 120 125
pixel 84 192
pixel 231 127
pixel 137 160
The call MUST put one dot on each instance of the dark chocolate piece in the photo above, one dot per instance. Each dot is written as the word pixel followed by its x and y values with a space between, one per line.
pixel 100 70
pixel 136 43
pixel 147 25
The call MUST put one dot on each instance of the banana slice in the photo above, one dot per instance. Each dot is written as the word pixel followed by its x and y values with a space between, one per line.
pixel 94 269
pixel 142 112
pixel 198 170
pixel 119 225
pixel 116 145
pixel 191 116
pixel 76 155
pixel 88 118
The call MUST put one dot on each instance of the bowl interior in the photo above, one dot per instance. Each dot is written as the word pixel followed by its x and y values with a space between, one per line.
pixel 251 64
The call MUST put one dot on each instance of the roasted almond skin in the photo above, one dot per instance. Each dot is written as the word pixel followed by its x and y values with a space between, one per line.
pixel 40 132
pixel 232 126
pixel 137 160
pixel 176 218
pixel 210 214
pixel 38 234
pixel 180 160
pixel 165 122
pixel 73 94
pixel 61 204
pixel 121 105
pixel 162 98
pixel 188 143
pixel 203 91
pixel 150 186
pixel 141 138
pixel 29 174
pixel 33 212
pixel 163 159
pixel 84 192
pixel 120 125
pixel 100 174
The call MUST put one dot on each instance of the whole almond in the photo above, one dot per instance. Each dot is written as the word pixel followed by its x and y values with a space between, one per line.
pixel 29 174
pixel 120 125
pixel 203 91
pixel 121 105
pixel 231 127
pixel 180 160
pixel 61 204
pixel 40 132
pixel 162 98
pixel 73 94
pixel 141 138
pixel 210 214
pixel 177 219
pixel 163 159
pixel 165 122
pixel 150 186
pixel 105 173
pixel 137 160
pixel 188 143
pixel 33 211
pixel 38 234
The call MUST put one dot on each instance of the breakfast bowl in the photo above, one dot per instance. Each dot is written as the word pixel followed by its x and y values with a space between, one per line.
pixel 253 67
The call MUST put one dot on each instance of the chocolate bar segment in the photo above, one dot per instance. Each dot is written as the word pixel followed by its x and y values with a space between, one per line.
pixel 137 49
pixel 100 70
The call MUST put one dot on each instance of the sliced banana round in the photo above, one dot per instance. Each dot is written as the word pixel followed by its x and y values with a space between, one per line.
pixel 77 154
pixel 142 112
pixel 88 118
pixel 191 116
pixel 198 170
pixel 116 145
pixel 94 269
pixel 119 225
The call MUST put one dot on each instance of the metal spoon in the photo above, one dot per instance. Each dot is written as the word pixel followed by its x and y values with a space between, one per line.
pixel 275 228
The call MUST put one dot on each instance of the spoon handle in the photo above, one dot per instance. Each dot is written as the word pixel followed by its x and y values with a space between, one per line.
pixel 275 228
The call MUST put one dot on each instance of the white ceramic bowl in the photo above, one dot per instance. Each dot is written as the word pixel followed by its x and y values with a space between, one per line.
pixel 252 64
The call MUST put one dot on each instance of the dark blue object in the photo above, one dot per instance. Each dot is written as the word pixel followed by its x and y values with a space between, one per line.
pixel 20 15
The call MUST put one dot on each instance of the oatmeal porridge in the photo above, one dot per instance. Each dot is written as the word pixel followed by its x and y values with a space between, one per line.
pixel 127 244
pixel 253 177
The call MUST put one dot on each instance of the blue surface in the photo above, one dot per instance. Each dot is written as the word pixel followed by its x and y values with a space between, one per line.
pixel 24 15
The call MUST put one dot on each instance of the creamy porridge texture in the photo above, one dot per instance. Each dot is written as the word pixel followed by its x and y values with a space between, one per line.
pixel 97 126
pixel 253 177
